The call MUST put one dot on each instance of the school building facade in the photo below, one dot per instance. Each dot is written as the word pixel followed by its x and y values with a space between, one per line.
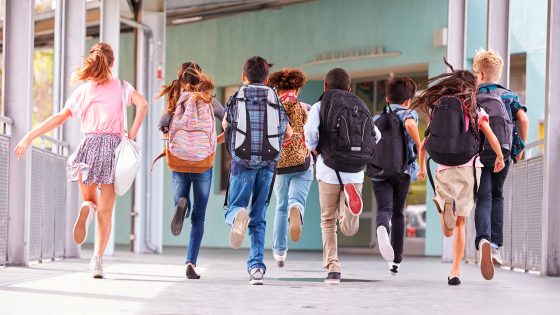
pixel 370 39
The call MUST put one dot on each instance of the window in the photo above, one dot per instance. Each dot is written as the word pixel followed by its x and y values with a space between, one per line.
pixel 518 75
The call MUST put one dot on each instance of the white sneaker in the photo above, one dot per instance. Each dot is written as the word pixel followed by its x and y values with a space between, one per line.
pixel 86 215
pixel 385 244
pixel 239 228
pixel 280 259
pixel 96 267
pixel 496 256
pixel 256 276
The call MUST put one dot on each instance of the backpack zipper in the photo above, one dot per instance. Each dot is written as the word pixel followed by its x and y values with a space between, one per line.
pixel 347 134
pixel 364 129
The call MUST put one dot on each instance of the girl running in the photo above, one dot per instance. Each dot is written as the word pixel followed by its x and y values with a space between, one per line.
pixel 190 128
pixel 98 103
pixel 455 123
pixel 294 171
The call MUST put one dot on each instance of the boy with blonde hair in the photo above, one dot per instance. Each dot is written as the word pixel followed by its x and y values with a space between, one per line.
pixel 487 65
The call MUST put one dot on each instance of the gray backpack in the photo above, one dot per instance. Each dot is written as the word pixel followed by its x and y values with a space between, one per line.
pixel 501 123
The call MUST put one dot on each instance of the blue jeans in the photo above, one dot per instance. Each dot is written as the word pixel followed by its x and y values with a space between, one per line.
pixel 290 190
pixel 243 184
pixel 201 190
pixel 489 212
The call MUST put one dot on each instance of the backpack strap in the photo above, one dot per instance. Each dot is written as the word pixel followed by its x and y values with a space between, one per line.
pixel 475 187
pixel 227 191
pixel 162 154
pixel 430 178
pixel 339 180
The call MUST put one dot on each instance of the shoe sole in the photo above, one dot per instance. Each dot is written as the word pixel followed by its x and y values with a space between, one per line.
pixel 280 263
pixel 80 227
pixel 353 199
pixel 238 229
pixel 449 218
pixel 384 244
pixel 295 224
pixel 256 282
pixel 179 217
pixel 97 276
pixel 486 266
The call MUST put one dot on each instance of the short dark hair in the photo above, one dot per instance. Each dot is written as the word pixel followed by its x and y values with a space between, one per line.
pixel 400 89
pixel 338 79
pixel 256 69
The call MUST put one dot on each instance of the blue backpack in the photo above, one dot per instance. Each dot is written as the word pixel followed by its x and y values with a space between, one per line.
pixel 256 126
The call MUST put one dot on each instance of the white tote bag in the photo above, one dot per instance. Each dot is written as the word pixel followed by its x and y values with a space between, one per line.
pixel 127 156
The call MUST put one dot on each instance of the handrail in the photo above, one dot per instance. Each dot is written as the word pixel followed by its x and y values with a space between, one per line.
pixel 6 120
pixel 55 141
pixel 533 144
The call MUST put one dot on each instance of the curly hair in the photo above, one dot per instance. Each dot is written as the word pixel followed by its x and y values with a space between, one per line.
pixel 288 79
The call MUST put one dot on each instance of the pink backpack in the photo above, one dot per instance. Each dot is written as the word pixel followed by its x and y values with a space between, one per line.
pixel 192 133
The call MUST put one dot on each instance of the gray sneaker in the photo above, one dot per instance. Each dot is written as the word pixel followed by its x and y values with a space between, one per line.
pixel 496 256
pixel 96 267
pixel 256 276
pixel 333 278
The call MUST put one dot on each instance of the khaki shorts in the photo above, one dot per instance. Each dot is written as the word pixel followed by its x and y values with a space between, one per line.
pixel 456 185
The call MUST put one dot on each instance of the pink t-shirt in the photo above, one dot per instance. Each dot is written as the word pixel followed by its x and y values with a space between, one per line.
pixel 99 107
pixel 481 116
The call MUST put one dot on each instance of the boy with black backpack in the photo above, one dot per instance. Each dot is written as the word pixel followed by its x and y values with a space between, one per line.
pixel 394 165
pixel 506 115
pixel 255 125
pixel 340 131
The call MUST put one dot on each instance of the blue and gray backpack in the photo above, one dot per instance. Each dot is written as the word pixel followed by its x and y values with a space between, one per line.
pixel 256 126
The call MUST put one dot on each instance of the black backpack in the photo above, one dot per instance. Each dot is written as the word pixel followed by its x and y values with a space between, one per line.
pixel 346 132
pixel 391 152
pixel 501 123
pixel 448 141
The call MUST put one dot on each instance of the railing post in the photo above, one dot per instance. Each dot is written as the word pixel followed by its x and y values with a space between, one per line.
pixel 551 213
pixel 18 45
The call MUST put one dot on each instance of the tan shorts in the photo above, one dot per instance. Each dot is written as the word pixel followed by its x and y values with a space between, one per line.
pixel 456 185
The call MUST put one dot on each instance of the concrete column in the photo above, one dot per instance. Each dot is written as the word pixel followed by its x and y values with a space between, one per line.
pixel 19 29
pixel 551 215
pixel 456 56
pixel 110 31
pixel 498 33
pixel 72 49
pixel 148 199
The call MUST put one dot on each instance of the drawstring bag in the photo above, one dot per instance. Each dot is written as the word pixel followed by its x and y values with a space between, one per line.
pixel 127 156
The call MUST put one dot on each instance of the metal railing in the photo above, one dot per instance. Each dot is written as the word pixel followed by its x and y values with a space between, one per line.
pixel 47 224
pixel 523 210
pixel 5 124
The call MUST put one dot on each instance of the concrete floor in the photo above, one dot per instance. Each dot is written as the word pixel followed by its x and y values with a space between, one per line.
pixel 153 284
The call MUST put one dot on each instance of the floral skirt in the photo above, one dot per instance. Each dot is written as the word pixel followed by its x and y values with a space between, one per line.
pixel 94 159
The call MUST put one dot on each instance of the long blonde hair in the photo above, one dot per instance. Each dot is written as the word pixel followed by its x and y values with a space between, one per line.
pixel 97 65
pixel 194 80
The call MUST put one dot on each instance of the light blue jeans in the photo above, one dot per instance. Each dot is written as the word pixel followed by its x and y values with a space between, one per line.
pixel 290 190
pixel 250 185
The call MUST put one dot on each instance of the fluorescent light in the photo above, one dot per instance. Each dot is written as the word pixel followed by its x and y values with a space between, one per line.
pixel 186 20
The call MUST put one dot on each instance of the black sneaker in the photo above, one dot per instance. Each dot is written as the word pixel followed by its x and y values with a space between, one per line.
pixel 191 273
pixel 256 276
pixel 333 278
pixel 181 212
pixel 453 281
pixel 394 268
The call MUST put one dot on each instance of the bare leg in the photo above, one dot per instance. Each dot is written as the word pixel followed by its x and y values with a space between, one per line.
pixel 89 192
pixel 104 218
pixel 446 232
pixel 458 247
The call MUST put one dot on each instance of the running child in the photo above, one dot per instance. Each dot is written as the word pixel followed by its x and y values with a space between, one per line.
pixel 189 126
pixel 294 170
pixel 507 115
pixel 255 126
pixel 453 141
pixel 99 105
pixel 395 156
